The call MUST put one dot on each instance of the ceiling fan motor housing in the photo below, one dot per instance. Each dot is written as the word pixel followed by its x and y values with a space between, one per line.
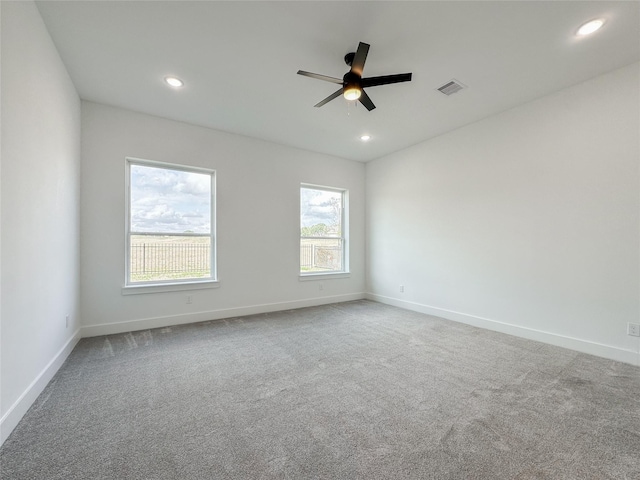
pixel 351 78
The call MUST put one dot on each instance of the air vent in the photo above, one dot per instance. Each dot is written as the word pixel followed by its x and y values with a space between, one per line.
pixel 451 87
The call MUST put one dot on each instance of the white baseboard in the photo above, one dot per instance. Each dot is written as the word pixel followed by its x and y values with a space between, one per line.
pixel 10 420
pixel 159 322
pixel 584 346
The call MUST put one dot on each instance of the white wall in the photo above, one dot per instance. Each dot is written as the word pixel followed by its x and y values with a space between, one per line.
pixel 526 222
pixel 40 211
pixel 257 225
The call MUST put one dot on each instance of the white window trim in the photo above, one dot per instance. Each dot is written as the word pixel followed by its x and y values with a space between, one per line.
pixel 306 277
pixel 345 272
pixel 132 288
pixel 137 289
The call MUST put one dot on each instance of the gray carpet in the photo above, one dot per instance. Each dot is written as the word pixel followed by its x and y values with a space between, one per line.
pixel 356 390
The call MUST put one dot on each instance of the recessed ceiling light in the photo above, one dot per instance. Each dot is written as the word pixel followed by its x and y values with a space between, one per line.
pixel 591 26
pixel 173 81
pixel 365 138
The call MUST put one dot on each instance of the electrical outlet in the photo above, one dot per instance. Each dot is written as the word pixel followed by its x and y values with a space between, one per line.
pixel 633 329
pixel 189 298
pixel 66 322
pixel 401 288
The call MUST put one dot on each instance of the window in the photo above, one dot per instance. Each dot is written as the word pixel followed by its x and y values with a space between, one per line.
pixel 170 225
pixel 323 230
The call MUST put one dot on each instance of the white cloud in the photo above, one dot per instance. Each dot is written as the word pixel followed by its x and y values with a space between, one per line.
pixel 316 206
pixel 169 201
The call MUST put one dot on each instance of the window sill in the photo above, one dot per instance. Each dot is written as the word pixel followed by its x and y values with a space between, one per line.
pixel 169 287
pixel 304 277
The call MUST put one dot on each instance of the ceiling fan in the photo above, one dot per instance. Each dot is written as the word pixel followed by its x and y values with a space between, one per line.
pixel 353 83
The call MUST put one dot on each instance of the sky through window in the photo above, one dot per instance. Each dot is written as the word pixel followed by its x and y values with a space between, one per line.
pixel 169 201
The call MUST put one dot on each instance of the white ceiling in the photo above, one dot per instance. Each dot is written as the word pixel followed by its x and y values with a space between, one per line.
pixel 239 62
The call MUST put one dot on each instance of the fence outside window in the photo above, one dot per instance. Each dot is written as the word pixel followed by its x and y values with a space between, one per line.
pixel 166 261
pixel 316 258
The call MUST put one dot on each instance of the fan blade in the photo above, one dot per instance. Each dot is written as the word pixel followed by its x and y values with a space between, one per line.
pixel 321 77
pixel 329 98
pixel 366 101
pixel 385 80
pixel 357 66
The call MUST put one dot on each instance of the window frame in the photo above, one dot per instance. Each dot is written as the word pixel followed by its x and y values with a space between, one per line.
pixel 344 233
pixel 171 284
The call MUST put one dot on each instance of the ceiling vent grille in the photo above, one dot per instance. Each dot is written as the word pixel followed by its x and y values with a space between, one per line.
pixel 451 87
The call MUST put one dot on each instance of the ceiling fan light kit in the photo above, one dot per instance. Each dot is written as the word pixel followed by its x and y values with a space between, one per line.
pixel 352 92
pixel 352 83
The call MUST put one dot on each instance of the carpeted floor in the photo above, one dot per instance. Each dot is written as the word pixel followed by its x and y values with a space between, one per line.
pixel 356 390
